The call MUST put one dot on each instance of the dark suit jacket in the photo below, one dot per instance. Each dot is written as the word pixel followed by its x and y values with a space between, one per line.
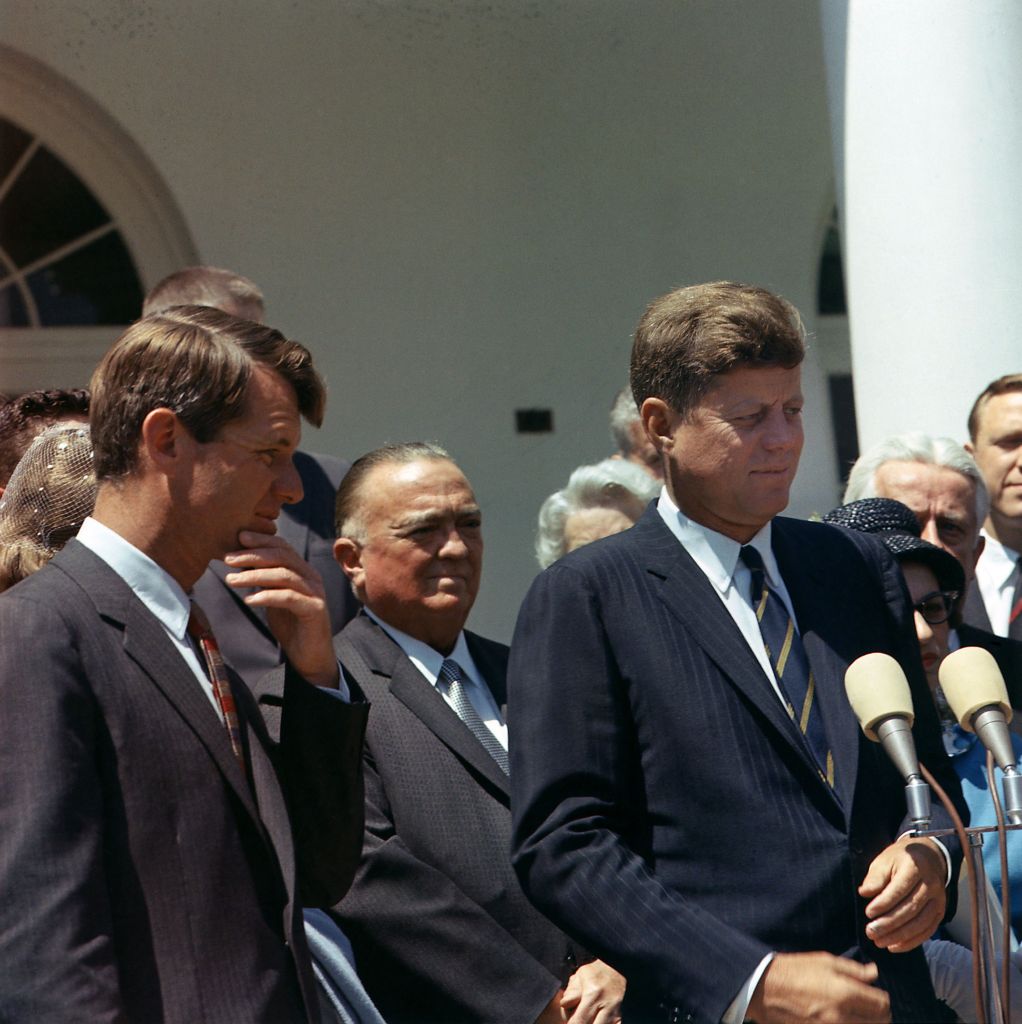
pixel 666 812
pixel 245 640
pixel 143 878
pixel 441 929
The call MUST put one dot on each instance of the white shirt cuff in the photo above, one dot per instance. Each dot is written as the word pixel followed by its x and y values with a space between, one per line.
pixel 736 1012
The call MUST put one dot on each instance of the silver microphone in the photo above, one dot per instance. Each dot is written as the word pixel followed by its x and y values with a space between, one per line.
pixel 878 692
pixel 975 689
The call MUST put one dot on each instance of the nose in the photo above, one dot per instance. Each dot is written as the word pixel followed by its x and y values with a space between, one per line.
pixel 931 534
pixel 453 545
pixel 781 432
pixel 289 484
pixel 924 631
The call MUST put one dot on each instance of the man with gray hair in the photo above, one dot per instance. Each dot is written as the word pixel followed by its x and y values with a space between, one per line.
pixel 940 481
pixel 441 929
pixel 630 438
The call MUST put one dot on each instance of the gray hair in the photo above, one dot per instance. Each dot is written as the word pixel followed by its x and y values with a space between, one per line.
pixel 612 483
pixel 623 413
pixel 916 447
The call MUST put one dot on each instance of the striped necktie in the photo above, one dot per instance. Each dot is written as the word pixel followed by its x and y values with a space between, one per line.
pixel 452 676
pixel 199 630
pixel 791 666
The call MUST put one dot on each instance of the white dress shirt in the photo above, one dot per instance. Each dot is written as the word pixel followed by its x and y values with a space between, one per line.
pixel 155 588
pixel 164 597
pixel 428 662
pixel 997 573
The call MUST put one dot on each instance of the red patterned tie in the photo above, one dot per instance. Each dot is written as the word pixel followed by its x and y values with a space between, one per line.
pixel 198 628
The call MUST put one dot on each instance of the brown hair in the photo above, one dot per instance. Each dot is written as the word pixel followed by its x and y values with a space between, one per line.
pixel 206 286
pixel 1002 386
pixel 689 336
pixel 348 506
pixel 22 418
pixel 197 362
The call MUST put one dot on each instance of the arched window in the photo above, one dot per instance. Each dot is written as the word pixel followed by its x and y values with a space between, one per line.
pixel 63 261
pixel 87 225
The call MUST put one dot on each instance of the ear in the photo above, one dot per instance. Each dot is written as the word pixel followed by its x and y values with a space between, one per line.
pixel 348 555
pixel 970 448
pixel 162 435
pixel 659 421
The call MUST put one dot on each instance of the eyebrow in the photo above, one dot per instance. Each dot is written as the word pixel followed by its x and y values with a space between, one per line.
pixel 431 516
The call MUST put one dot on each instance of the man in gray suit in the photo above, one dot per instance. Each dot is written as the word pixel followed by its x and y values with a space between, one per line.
pixel 440 926
pixel 245 638
pixel 152 837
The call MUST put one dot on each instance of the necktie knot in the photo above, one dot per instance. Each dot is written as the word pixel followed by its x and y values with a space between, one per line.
pixel 753 561
pixel 198 624
pixel 450 671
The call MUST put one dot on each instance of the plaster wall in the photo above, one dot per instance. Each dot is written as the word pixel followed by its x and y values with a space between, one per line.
pixel 463 206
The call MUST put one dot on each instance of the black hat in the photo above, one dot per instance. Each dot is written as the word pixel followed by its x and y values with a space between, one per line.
pixel 896 525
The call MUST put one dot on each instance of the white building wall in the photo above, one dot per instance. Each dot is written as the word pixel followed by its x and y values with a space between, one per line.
pixel 463 207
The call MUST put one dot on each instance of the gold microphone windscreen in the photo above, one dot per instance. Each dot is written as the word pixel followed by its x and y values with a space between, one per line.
pixel 971 680
pixel 877 688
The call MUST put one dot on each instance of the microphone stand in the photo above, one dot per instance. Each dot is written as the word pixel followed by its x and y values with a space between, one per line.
pixel 992 1002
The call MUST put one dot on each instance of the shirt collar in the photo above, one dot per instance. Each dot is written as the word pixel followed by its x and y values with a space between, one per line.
pixel 715 554
pixel 153 586
pixel 999 562
pixel 425 658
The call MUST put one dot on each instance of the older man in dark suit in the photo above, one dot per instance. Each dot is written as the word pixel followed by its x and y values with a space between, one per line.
pixel 440 927
pixel 693 798
pixel 152 837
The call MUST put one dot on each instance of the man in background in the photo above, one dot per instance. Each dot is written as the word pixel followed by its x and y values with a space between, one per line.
pixel 940 481
pixel 995 441
pixel 629 437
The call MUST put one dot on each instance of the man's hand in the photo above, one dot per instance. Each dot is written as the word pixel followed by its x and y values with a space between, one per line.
pixel 820 988
pixel 292 593
pixel 906 888
pixel 593 995
pixel 552 1013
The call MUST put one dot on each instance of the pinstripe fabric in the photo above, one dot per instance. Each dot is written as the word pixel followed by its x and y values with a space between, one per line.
pixel 666 811
pixel 144 878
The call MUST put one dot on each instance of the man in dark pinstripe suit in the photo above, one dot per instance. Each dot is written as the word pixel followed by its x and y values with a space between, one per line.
pixel 733 858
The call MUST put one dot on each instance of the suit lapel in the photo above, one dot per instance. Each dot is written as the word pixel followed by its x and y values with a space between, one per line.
pixel 407 684
pixel 818 618
pixel 974 611
pixel 691 598
pixel 147 644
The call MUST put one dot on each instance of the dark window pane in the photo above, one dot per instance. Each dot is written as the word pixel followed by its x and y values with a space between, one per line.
pixel 13 142
pixel 95 285
pixel 12 308
pixel 830 289
pixel 47 208
pixel 846 431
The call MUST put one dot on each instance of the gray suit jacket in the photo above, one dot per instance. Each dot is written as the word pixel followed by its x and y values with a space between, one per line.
pixel 143 877
pixel 441 929
pixel 244 638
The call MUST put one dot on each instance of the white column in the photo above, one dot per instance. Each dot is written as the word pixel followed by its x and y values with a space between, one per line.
pixel 928 117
